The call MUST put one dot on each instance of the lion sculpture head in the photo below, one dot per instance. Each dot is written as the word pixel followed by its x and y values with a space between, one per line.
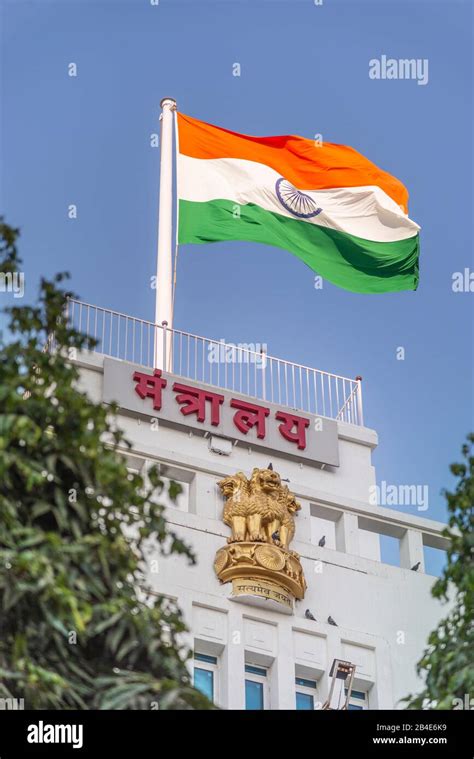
pixel 266 481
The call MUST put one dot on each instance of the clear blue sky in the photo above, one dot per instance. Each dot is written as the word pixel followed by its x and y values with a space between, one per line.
pixel 304 70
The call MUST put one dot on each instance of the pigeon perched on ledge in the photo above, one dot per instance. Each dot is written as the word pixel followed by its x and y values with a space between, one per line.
pixel 322 542
pixel 308 615
pixel 416 566
pixel 331 621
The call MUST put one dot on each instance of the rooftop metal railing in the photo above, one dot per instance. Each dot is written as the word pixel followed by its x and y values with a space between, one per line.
pixel 241 368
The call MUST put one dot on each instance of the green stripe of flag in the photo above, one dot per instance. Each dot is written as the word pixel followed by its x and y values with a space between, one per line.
pixel 350 262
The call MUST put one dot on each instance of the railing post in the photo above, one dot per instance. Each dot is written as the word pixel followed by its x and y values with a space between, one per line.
pixel 359 401
pixel 263 358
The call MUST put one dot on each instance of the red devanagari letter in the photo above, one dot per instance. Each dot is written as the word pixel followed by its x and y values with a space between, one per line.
pixel 249 415
pixel 289 422
pixel 194 400
pixel 150 386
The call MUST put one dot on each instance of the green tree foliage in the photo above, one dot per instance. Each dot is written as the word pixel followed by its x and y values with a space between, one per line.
pixel 447 664
pixel 78 627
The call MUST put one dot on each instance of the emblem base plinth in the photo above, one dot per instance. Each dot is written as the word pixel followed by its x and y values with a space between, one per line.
pixel 262 593
pixel 261 574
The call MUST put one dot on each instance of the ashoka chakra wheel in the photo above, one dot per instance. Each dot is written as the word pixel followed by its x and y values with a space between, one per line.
pixel 221 560
pixel 270 558
pixel 294 201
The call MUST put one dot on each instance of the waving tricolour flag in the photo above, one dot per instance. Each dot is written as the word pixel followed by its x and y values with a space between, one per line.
pixel 327 204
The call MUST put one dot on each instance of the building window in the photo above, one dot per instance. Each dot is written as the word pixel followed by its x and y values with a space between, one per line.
pixel 357 701
pixel 255 688
pixel 162 495
pixel 205 671
pixel 305 693
pixel 167 474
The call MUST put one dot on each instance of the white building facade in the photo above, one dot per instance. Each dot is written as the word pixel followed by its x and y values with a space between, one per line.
pixel 253 654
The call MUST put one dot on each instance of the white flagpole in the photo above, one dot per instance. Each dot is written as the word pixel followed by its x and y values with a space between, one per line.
pixel 164 272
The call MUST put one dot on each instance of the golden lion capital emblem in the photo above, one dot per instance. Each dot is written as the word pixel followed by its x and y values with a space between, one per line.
pixel 260 511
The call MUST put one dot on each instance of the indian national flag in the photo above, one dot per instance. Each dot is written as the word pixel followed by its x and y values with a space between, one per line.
pixel 329 205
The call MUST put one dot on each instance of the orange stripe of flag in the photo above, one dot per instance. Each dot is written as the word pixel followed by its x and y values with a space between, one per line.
pixel 299 160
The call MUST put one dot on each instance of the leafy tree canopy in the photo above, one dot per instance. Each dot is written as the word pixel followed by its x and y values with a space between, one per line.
pixel 78 627
pixel 447 664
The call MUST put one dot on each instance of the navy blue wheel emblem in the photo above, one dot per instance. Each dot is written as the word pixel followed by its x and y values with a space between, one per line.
pixel 294 201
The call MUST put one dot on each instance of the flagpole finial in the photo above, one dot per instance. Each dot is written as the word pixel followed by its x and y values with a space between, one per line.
pixel 168 101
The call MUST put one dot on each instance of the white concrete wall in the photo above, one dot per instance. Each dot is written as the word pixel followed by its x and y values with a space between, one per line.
pixel 384 613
